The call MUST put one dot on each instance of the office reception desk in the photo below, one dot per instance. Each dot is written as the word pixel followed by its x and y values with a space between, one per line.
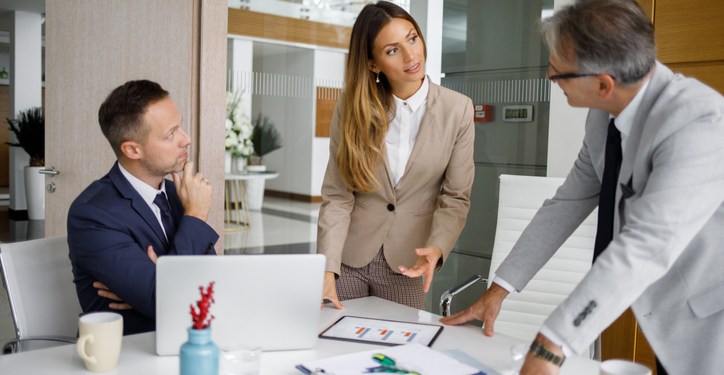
pixel 138 355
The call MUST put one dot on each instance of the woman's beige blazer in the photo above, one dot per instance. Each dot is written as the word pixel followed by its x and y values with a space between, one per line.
pixel 428 206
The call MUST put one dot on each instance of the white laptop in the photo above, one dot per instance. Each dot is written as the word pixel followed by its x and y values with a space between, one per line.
pixel 268 300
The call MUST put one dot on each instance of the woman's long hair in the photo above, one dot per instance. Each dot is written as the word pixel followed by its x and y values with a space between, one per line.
pixel 366 105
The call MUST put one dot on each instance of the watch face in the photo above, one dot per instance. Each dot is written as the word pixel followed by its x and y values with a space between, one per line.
pixel 538 350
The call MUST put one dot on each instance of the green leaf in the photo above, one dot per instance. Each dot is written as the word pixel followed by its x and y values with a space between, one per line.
pixel 29 129
pixel 265 137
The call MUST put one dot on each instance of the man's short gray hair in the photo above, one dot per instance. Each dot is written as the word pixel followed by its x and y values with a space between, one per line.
pixel 603 36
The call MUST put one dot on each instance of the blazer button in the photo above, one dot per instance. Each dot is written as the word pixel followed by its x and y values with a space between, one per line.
pixel 390 207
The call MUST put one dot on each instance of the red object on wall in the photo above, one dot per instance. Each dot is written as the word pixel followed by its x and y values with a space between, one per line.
pixel 482 113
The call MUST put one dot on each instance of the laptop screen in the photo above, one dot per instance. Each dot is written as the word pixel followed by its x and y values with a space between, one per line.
pixel 272 301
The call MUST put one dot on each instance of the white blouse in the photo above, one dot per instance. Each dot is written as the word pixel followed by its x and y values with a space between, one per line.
pixel 403 129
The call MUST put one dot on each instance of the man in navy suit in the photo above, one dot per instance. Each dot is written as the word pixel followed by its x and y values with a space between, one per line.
pixel 122 222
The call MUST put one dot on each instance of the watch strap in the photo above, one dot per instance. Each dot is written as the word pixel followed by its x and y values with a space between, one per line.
pixel 538 350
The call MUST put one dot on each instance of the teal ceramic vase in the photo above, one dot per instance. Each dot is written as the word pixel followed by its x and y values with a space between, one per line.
pixel 199 355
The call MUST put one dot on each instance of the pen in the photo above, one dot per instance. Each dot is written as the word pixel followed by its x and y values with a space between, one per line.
pixel 387 365
pixel 380 369
pixel 389 370
pixel 383 359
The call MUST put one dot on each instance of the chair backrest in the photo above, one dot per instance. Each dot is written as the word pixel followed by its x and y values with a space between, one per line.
pixel 522 314
pixel 39 281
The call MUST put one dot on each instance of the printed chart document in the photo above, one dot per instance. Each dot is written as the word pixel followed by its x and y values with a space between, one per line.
pixel 381 331
pixel 412 357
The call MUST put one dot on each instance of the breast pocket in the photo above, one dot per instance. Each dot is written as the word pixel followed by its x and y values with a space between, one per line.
pixel 708 303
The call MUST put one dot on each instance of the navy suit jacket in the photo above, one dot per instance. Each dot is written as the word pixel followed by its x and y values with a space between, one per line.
pixel 109 228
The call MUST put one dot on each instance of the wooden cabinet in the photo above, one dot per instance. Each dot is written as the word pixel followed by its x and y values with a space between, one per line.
pixel 690 38
pixel 624 339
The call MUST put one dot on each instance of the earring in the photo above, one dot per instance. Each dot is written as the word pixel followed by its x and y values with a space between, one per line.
pixel 377 80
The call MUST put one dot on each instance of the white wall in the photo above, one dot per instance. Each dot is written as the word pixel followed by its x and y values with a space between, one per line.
pixel 25 90
pixel 565 128
pixel 428 15
pixel 329 68
pixel 289 104
pixel 282 79
pixel 239 62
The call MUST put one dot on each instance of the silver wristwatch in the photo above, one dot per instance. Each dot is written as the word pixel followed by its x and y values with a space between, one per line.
pixel 538 350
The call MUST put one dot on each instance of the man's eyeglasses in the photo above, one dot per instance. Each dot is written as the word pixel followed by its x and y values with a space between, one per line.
pixel 556 77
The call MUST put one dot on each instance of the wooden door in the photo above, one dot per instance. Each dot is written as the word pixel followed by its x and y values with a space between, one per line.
pixel 94 46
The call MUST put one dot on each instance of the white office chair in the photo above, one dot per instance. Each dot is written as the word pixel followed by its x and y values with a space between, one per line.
pixel 43 301
pixel 522 314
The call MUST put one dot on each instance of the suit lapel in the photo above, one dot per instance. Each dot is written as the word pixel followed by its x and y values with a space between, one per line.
pixel 633 143
pixel 139 205
pixel 639 130
pixel 641 126
pixel 383 169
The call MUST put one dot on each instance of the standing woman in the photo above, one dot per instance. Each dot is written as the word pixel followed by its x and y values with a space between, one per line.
pixel 396 191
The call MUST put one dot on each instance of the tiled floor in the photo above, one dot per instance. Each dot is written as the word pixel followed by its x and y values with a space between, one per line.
pixel 283 226
pixel 281 222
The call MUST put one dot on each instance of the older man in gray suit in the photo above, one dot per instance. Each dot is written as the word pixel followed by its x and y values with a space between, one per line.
pixel 666 216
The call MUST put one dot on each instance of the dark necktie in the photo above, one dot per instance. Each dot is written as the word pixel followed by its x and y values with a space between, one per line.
pixel 607 198
pixel 166 217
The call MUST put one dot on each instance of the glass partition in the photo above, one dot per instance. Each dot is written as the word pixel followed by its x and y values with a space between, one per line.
pixel 493 53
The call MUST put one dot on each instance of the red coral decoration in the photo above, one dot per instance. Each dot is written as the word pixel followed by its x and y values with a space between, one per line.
pixel 201 317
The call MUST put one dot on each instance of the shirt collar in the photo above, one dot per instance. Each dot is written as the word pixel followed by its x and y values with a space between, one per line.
pixel 624 121
pixel 147 192
pixel 417 99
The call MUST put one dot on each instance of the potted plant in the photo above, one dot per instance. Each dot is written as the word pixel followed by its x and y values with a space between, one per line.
pixel 29 130
pixel 238 135
pixel 200 355
pixel 265 139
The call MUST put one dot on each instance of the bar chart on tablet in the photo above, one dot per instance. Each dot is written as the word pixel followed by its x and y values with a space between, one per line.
pixel 381 331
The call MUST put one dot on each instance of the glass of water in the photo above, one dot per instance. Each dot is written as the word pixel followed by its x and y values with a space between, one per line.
pixel 239 359
pixel 518 353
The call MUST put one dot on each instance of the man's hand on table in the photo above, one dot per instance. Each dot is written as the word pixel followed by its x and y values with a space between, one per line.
pixel 485 309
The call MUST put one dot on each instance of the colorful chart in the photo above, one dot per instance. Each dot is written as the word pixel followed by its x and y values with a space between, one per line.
pixel 381 331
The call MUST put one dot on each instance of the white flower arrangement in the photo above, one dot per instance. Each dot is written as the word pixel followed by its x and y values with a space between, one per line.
pixel 238 128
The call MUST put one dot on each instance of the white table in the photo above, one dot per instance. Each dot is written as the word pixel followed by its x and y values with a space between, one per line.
pixel 244 192
pixel 138 355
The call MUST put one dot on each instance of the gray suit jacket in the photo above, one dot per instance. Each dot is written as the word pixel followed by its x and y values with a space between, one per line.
pixel 667 257
pixel 428 206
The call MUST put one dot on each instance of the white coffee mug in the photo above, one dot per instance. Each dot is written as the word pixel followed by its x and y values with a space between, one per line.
pixel 623 367
pixel 99 344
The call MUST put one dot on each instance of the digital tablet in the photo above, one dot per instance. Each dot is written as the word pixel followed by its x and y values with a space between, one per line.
pixel 381 331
